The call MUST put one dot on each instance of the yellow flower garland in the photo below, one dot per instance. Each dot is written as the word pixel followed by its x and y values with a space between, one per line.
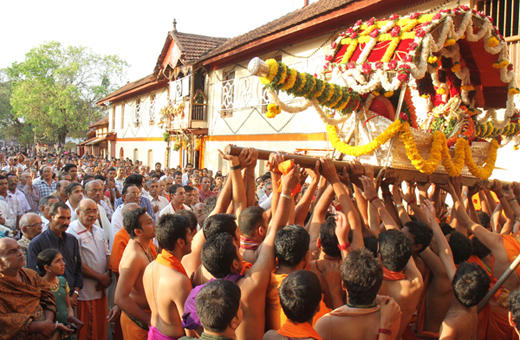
pixel 438 152
pixel 291 81
pixel 349 52
pixel 357 151
pixel 273 70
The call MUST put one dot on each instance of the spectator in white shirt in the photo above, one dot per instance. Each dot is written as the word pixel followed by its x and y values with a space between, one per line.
pixel 7 217
pixel 92 299
pixel 12 185
pixel 158 202
pixel 74 192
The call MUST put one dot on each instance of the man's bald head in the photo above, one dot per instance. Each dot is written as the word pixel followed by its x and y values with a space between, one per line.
pixel 128 207
pixel 31 225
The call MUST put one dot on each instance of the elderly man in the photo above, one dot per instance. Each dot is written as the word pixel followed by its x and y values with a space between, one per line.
pixel 31 191
pixel 144 202
pixel 94 191
pixel 92 306
pixel 205 192
pixel 131 194
pixel 31 226
pixel 56 237
pixel 158 202
pixel 27 306
pixel 45 206
pixel 45 183
pixel 60 190
pixel 178 195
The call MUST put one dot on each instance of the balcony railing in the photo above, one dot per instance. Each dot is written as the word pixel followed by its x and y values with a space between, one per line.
pixel 198 112
pixel 513 44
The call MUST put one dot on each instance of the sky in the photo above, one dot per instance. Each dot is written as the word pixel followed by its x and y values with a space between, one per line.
pixel 133 30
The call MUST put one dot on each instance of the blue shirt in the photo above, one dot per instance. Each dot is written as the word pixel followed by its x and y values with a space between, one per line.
pixel 68 247
pixel 144 203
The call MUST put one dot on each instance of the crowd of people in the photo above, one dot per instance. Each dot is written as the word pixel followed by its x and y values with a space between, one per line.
pixel 107 249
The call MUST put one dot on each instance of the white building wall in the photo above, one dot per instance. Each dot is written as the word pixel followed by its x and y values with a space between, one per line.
pixel 141 134
pixel 248 125
pixel 308 57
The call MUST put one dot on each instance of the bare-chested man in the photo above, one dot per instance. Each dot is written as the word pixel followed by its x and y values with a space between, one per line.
pixel 165 281
pixel 130 295
pixel 252 223
pixel 401 280
pixel 470 284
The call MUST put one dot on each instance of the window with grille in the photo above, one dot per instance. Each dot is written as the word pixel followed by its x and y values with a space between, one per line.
pixel 113 117
pixel 505 14
pixel 137 111
pixel 228 91
pixel 122 115
pixel 152 108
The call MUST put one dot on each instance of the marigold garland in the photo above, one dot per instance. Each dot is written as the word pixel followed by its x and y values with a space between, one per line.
pixel 273 70
pixel 310 87
pixel 439 151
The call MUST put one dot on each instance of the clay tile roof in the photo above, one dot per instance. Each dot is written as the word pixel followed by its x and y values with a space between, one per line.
pixel 288 20
pixel 194 46
pixel 100 122
pixel 129 86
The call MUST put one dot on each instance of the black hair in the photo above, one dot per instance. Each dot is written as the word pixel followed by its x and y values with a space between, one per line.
pixel 136 179
pixel 177 173
pixel 470 284
pixel 300 294
pixel 460 246
pixel 191 216
pixel 44 200
pixel 170 228
pixel 218 254
pixel 484 219
pixel 421 232
pixel 188 188
pixel 479 249
pixel 250 219
pixel 69 166
pixel 362 275
pixel 174 187
pixel 155 175
pixel 71 186
pixel 100 177
pixel 291 245
pixel 131 221
pixel 514 307
pixel 371 243
pixel 217 304
pixel 220 223
pixel 445 228
pixel 111 169
pixel 55 206
pixel 128 185
pixel 329 240
pixel 395 249
pixel 45 258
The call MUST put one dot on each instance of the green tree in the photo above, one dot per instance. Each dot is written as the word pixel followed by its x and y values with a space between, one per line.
pixel 56 88
pixel 11 127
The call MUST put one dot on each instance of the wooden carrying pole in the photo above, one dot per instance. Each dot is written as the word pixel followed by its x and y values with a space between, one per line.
pixel 510 270
pixel 403 174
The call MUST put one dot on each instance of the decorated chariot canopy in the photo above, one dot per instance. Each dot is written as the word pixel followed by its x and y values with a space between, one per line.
pixel 375 75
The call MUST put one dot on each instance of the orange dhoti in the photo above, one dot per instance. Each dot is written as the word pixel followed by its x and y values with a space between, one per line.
pixel 131 330
pixel 498 327
pixel 93 313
